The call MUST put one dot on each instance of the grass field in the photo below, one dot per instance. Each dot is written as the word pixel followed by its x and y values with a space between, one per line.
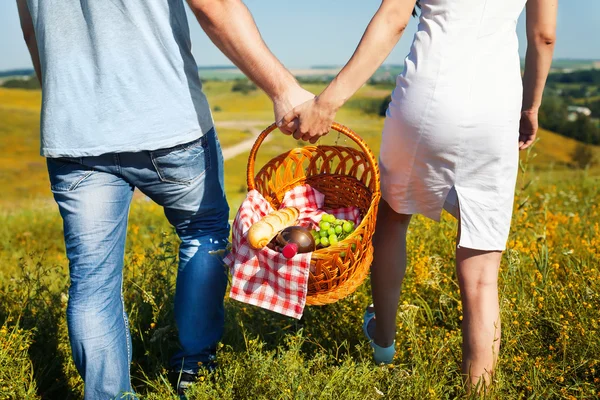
pixel 550 286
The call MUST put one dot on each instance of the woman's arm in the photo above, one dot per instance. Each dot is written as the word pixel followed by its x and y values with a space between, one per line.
pixel 382 34
pixel 541 35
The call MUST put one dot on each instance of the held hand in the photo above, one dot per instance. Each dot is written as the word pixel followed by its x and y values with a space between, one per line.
pixel 313 119
pixel 293 97
pixel 528 128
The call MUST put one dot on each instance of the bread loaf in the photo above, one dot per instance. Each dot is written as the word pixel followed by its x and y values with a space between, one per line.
pixel 263 231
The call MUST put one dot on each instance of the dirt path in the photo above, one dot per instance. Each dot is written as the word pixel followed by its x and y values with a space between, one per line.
pixel 255 127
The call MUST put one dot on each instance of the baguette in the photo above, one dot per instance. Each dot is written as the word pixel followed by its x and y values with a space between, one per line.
pixel 263 231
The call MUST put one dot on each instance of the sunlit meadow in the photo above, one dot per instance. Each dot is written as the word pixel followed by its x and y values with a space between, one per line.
pixel 549 287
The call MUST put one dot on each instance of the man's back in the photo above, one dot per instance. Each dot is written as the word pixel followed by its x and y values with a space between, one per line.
pixel 118 75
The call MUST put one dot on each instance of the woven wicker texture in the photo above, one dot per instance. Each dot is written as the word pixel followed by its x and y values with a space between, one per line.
pixel 348 177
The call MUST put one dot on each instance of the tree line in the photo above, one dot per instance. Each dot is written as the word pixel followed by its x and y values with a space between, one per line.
pixel 578 88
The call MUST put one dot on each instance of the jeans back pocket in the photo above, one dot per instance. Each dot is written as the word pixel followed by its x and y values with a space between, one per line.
pixel 66 173
pixel 182 164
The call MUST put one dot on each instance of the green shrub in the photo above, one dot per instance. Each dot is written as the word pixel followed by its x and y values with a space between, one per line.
pixel 31 83
pixel 16 369
pixel 372 106
pixel 583 156
pixel 243 86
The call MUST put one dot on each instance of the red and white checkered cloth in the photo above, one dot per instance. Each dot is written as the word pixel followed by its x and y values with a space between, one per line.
pixel 265 278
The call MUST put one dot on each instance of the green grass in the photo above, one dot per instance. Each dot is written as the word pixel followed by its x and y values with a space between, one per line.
pixel 549 289
pixel 230 137
pixel 549 294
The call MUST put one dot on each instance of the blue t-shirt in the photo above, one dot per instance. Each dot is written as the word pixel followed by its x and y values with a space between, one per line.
pixel 118 76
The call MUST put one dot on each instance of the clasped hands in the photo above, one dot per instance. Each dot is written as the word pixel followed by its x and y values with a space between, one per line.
pixel 303 115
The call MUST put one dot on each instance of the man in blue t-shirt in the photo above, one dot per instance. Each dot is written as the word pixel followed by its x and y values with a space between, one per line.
pixel 123 108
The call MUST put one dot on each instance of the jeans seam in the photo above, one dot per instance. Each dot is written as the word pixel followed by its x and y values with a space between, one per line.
pixel 117 161
pixel 126 322
pixel 201 141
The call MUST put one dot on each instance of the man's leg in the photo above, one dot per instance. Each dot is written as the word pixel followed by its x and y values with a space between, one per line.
pixel 188 182
pixel 94 206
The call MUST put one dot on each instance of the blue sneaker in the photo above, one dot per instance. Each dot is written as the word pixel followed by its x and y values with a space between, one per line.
pixel 381 355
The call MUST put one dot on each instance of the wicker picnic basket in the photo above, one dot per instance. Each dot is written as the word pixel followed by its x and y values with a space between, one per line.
pixel 347 177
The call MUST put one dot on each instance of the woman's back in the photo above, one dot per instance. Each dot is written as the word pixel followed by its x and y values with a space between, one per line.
pixel 464 51
pixel 453 122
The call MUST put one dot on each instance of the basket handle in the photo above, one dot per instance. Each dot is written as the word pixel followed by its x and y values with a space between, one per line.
pixel 335 126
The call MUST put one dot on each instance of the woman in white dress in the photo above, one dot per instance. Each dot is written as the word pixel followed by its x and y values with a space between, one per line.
pixel 459 114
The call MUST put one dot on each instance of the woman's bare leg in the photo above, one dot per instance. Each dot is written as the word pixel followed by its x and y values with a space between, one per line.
pixel 478 280
pixel 387 271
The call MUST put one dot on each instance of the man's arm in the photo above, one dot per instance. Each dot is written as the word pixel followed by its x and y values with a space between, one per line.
pixel 541 35
pixel 229 24
pixel 29 36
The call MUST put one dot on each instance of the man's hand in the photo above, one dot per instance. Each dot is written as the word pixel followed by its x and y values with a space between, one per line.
pixel 528 128
pixel 313 119
pixel 284 104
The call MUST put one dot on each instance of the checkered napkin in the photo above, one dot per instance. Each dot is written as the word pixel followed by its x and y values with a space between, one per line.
pixel 265 278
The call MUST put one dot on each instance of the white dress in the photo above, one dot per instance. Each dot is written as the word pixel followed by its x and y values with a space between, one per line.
pixel 451 133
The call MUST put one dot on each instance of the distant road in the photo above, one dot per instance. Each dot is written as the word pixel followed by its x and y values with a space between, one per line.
pixel 255 127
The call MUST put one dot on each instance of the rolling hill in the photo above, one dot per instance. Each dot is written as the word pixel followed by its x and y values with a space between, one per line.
pixel 23 174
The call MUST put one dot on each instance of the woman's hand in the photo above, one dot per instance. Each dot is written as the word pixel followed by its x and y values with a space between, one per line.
pixel 528 128
pixel 313 119
pixel 541 35
pixel 284 104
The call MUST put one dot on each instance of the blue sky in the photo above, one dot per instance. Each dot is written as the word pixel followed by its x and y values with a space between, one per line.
pixel 326 32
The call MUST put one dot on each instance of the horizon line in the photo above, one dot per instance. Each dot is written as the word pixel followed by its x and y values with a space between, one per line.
pixel 316 66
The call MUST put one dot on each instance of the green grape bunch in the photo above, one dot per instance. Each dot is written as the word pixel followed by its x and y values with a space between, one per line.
pixel 332 230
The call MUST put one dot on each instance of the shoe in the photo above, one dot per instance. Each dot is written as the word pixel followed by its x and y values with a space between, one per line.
pixel 182 380
pixel 381 355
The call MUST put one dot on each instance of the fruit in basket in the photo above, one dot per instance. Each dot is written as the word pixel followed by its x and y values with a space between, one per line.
pixel 347 227
pixel 293 240
pixel 263 231
pixel 332 230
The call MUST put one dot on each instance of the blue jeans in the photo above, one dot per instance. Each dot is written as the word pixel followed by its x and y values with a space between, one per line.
pixel 93 195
